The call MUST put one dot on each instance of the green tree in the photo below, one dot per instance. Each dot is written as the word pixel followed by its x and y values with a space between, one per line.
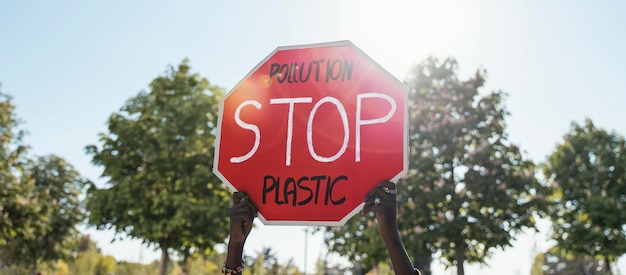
pixel 87 257
pixel 157 157
pixel 57 189
pixel 257 267
pixel 469 189
pixel 588 171
pixel 126 268
pixel 106 265
pixel 554 263
pixel 358 240
pixel 19 211
pixel 205 265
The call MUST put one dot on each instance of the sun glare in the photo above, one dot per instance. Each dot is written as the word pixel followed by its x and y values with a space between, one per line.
pixel 399 34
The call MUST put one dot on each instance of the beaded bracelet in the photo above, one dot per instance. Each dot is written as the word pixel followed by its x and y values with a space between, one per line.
pixel 228 271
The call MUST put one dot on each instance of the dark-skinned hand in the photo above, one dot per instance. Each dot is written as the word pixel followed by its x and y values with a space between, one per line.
pixel 383 202
pixel 385 210
pixel 242 215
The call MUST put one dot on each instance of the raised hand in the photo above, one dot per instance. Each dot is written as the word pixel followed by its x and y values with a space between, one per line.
pixel 382 201
pixel 242 215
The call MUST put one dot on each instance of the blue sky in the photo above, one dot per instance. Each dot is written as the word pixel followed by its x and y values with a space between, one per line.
pixel 70 64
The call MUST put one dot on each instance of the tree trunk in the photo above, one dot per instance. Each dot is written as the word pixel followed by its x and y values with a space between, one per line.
pixel 164 258
pixel 460 259
pixel 33 270
pixel 185 265
pixel 607 262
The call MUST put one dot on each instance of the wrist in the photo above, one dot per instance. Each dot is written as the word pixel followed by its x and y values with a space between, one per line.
pixel 232 271
pixel 234 256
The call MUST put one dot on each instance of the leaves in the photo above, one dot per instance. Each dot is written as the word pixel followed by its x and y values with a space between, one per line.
pixel 588 171
pixel 553 262
pixel 19 216
pixel 468 189
pixel 53 188
pixel 157 157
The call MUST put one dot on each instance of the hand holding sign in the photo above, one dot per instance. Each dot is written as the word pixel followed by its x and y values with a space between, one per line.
pixel 381 200
pixel 242 216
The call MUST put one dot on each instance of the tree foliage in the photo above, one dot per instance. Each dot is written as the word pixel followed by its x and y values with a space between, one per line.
pixel 19 212
pixel 358 240
pixel 588 170
pixel 555 263
pixel 57 186
pixel 39 204
pixel 157 157
pixel 89 260
pixel 468 189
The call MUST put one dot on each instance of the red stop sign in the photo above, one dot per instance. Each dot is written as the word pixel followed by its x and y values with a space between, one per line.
pixel 309 131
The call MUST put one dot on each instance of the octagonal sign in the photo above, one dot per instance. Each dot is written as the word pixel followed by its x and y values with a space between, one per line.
pixel 309 131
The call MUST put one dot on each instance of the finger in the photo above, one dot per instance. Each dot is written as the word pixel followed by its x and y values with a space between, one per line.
pixel 376 192
pixel 252 208
pixel 387 184
pixel 242 217
pixel 244 208
pixel 242 199
pixel 388 190
pixel 245 218
pixel 244 202
pixel 368 197
pixel 239 197
pixel 372 206
pixel 366 208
